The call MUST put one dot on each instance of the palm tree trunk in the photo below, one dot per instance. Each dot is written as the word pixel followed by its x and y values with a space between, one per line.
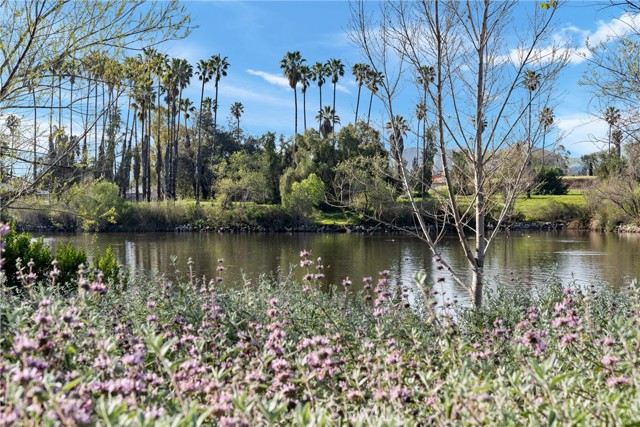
pixel 158 147
pixel 358 103
pixel 199 154
pixel 544 138
pixel 35 134
pixel 295 101
pixel 304 110
pixel 333 121
pixel 148 139
pixel 320 119
pixel 174 172
pixel 369 114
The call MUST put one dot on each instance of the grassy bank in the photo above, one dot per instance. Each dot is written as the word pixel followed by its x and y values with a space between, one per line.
pixel 566 208
pixel 275 352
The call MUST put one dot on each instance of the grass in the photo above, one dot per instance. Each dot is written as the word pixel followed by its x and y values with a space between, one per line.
pixel 542 207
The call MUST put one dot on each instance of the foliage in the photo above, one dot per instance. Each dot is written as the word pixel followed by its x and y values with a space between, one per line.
pixel 69 259
pixel 243 178
pixel 278 352
pixel 616 200
pixel 304 196
pixel 24 247
pixel 548 180
pixel 97 204
pixel 108 266
pixel 609 165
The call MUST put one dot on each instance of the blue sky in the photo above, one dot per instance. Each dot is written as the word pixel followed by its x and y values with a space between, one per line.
pixel 255 35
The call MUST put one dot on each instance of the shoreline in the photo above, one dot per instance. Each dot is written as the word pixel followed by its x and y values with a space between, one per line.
pixel 304 228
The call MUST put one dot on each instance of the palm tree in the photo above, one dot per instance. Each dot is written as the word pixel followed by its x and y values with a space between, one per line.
pixel 374 78
pixel 335 67
pixel 531 81
pixel 360 72
pixel 426 76
pixel 305 82
pixel 219 67
pixel 187 108
pixel 318 74
pixel 204 72
pixel 327 117
pixel 421 114
pixel 612 116
pixel 546 120
pixel 184 72
pixel 399 128
pixel 291 64
pixel 236 111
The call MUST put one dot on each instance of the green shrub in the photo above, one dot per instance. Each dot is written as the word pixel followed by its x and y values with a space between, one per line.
pixel 108 265
pixel 26 248
pixel 97 205
pixel 304 196
pixel 69 259
pixel 548 180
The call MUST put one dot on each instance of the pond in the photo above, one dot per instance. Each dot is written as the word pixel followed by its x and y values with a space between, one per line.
pixel 524 258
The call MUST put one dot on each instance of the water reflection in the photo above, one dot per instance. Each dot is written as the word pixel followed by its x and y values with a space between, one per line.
pixel 518 258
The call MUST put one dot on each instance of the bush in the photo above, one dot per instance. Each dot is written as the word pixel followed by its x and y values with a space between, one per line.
pixel 97 205
pixel 108 265
pixel 304 196
pixel 69 258
pixel 24 247
pixel 548 180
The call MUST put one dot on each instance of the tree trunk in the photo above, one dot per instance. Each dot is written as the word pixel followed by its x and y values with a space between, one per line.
pixel 158 147
pixel 333 121
pixel 199 155
pixel 370 103
pixel 295 102
pixel 477 285
pixel 358 103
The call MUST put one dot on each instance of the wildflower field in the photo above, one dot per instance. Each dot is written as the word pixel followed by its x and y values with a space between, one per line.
pixel 144 351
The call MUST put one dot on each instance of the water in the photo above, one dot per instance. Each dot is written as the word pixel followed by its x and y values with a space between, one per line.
pixel 517 259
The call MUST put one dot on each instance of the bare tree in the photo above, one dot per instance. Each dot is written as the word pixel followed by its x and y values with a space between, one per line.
pixel 479 104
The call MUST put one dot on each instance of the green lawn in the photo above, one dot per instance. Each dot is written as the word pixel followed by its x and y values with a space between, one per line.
pixel 541 207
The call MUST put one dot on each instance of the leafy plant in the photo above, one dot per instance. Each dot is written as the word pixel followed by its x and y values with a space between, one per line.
pixel 24 247
pixel 548 180
pixel 69 258
pixel 108 266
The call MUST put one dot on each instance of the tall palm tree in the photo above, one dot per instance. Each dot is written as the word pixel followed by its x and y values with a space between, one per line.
pixel 290 64
pixel 187 108
pixel 204 72
pixel 421 114
pixel 360 72
pixel 612 116
pixel 305 82
pixel 219 66
pixel 374 79
pixel 335 67
pixel 184 72
pixel 398 127
pixel 159 65
pixel 426 76
pixel 327 117
pixel 236 111
pixel 319 74
pixel 531 81
pixel 546 120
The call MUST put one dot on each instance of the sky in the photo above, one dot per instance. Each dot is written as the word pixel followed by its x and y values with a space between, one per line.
pixel 255 35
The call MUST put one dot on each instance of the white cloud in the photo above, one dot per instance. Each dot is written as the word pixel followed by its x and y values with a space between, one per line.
pixel 583 133
pixel 573 35
pixel 273 79
pixel 282 81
